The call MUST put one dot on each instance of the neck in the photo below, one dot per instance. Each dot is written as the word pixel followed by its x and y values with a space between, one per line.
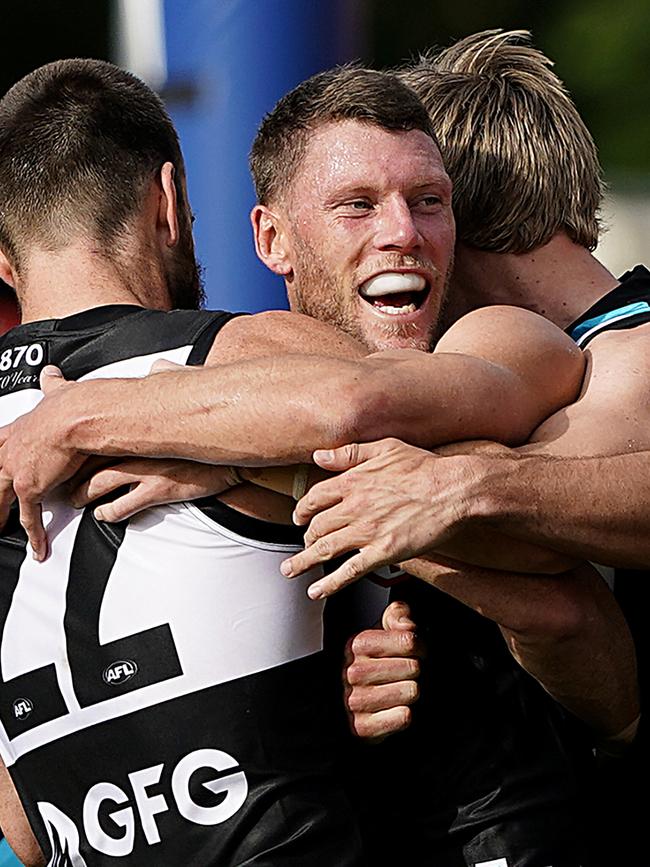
pixel 559 280
pixel 79 277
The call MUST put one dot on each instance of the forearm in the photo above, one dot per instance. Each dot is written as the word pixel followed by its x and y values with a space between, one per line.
pixel 594 508
pixel 567 632
pixel 245 413
pixel 261 411
pixel 591 670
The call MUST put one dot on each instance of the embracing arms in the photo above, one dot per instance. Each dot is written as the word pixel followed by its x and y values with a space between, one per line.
pixel 579 487
pixel 278 408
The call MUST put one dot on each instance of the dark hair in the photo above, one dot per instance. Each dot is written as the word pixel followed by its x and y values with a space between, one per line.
pixel 79 140
pixel 343 93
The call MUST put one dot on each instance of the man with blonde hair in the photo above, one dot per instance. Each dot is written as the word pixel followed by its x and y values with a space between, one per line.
pixel 527 190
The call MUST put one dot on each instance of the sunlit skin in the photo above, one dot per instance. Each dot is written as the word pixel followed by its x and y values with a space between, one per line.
pixel 366 201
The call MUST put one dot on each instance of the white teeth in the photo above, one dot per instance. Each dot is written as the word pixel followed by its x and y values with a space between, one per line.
pixel 408 308
pixel 392 282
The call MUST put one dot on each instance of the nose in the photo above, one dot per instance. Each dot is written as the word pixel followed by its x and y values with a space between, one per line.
pixel 396 228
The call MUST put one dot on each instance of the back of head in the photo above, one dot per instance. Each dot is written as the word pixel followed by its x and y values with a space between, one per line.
pixel 79 142
pixel 523 163
pixel 343 93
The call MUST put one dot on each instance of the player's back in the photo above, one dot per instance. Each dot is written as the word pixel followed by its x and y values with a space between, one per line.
pixel 163 696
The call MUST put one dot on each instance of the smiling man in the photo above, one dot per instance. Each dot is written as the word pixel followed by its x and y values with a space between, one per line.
pixel 362 230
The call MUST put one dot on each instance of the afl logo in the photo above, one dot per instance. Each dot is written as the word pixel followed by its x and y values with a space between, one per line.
pixel 119 672
pixel 22 708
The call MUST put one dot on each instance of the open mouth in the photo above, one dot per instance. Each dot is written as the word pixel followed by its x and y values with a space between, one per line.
pixel 395 293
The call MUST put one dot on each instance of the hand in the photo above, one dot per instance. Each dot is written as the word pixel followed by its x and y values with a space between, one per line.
pixel 380 675
pixel 391 502
pixel 34 458
pixel 152 481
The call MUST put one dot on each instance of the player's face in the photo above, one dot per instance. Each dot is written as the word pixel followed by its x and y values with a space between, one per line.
pixel 371 234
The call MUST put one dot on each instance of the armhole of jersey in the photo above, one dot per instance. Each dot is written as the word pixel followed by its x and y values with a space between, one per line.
pixel 250 531
pixel 207 336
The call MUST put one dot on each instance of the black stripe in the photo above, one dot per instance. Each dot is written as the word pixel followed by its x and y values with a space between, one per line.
pixel 204 341
pixel 250 528
pixel 621 325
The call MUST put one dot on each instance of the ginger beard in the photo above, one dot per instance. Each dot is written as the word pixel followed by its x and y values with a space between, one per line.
pixel 317 292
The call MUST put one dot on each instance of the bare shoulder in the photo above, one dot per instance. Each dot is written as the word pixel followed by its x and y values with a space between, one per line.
pixel 507 326
pixel 628 346
pixel 612 414
pixel 276 332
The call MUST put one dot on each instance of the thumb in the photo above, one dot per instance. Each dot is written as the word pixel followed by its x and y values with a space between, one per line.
pixel 51 378
pixel 162 364
pixel 340 459
pixel 397 616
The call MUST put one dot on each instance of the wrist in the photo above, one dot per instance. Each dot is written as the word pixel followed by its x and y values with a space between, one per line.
pixel 92 421
pixel 495 489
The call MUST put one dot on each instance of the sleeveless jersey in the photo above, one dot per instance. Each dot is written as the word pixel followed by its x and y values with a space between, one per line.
pixel 619 813
pixel 162 696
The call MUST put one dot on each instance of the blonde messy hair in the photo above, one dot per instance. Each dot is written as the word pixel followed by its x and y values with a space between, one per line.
pixel 523 163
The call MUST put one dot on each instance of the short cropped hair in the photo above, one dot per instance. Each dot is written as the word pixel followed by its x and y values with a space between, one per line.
pixel 79 141
pixel 523 163
pixel 343 93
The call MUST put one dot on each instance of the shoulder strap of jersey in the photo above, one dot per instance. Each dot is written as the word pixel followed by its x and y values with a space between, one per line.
pixel 626 306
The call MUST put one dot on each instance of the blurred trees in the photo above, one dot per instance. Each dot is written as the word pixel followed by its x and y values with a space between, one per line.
pixel 600 50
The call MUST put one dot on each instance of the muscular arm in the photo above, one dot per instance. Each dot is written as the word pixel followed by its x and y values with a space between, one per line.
pixel 277 408
pixel 582 484
pixel 230 413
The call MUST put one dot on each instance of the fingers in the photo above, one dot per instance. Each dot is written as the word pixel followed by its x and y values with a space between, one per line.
pixel 31 518
pixel 376 726
pixel 345 457
pixel 321 496
pixel 321 551
pixel 98 485
pixel 353 569
pixel 51 379
pixel 397 616
pixel 129 504
pixel 372 699
pixel 380 677
pixel 376 644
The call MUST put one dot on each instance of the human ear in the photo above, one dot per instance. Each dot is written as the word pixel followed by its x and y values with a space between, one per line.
pixel 168 206
pixel 271 243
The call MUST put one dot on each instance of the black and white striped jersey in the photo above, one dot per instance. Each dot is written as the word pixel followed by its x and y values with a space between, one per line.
pixel 162 695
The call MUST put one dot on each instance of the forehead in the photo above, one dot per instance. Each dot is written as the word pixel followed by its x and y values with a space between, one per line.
pixel 351 154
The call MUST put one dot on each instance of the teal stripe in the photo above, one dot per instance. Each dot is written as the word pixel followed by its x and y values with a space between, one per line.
pixel 621 312
pixel 7 857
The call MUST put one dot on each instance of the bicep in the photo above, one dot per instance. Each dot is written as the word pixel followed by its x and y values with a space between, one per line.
pixel 542 357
